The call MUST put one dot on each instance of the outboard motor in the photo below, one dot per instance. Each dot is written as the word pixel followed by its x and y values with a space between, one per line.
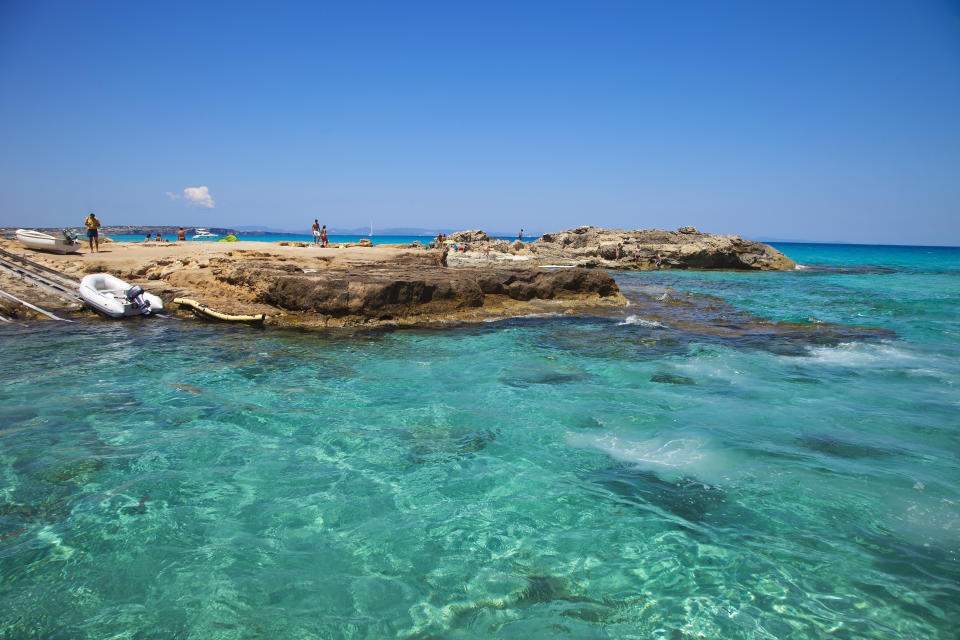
pixel 135 295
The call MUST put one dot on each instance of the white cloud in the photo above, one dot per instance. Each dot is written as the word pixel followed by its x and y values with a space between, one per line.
pixel 198 196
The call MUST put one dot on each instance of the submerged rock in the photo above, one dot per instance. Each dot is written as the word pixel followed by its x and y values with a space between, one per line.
pixel 670 378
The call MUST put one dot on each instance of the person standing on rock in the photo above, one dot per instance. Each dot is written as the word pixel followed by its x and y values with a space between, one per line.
pixel 93 231
pixel 636 254
pixel 316 231
pixel 520 236
pixel 659 259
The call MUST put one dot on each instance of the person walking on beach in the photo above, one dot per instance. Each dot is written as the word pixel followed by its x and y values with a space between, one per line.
pixel 93 233
pixel 316 231
pixel 323 236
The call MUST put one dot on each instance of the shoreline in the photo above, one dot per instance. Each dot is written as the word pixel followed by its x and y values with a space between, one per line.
pixel 471 277
pixel 353 286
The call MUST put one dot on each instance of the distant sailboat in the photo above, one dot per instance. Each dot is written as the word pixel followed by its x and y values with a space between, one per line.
pixel 371 228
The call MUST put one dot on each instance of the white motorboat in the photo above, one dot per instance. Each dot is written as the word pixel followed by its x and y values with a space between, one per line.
pixel 63 243
pixel 203 234
pixel 112 296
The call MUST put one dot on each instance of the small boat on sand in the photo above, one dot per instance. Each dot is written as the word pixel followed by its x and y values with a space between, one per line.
pixel 112 296
pixel 203 311
pixel 63 243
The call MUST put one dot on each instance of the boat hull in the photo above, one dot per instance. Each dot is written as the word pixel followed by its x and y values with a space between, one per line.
pixel 106 294
pixel 40 241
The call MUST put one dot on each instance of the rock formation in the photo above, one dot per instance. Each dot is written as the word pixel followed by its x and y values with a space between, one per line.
pixel 354 286
pixel 475 278
pixel 419 291
pixel 685 248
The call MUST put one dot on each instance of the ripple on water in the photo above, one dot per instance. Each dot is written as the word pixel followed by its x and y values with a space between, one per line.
pixel 721 475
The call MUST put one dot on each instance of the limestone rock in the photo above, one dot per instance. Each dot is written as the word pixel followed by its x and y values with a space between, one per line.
pixel 360 295
pixel 685 248
pixel 468 237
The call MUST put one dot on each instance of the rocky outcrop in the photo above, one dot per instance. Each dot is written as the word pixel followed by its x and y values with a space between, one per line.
pixel 685 248
pixel 413 293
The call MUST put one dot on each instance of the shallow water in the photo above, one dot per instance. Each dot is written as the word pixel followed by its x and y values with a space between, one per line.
pixel 736 455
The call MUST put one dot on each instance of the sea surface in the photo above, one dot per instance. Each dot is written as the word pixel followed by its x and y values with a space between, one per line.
pixel 333 239
pixel 734 455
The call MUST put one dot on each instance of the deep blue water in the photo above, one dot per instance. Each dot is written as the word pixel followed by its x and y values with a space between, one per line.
pixel 735 455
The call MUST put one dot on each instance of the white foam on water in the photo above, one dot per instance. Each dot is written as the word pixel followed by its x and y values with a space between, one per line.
pixel 801 267
pixel 858 354
pixel 670 458
pixel 643 322
pixel 928 521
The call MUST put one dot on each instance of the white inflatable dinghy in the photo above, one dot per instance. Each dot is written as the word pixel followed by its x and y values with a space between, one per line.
pixel 112 296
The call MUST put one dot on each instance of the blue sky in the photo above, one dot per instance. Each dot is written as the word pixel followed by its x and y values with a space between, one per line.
pixel 825 121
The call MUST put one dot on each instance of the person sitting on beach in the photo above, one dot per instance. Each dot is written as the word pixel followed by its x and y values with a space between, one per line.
pixel 323 236
pixel 93 233
pixel 159 238
pixel 147 239
pixel 181 235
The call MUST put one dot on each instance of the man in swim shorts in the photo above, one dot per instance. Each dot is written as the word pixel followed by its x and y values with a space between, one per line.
pixel 93 235
pixel 316 231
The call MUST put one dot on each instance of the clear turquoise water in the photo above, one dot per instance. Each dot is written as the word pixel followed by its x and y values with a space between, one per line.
pixel 686 468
